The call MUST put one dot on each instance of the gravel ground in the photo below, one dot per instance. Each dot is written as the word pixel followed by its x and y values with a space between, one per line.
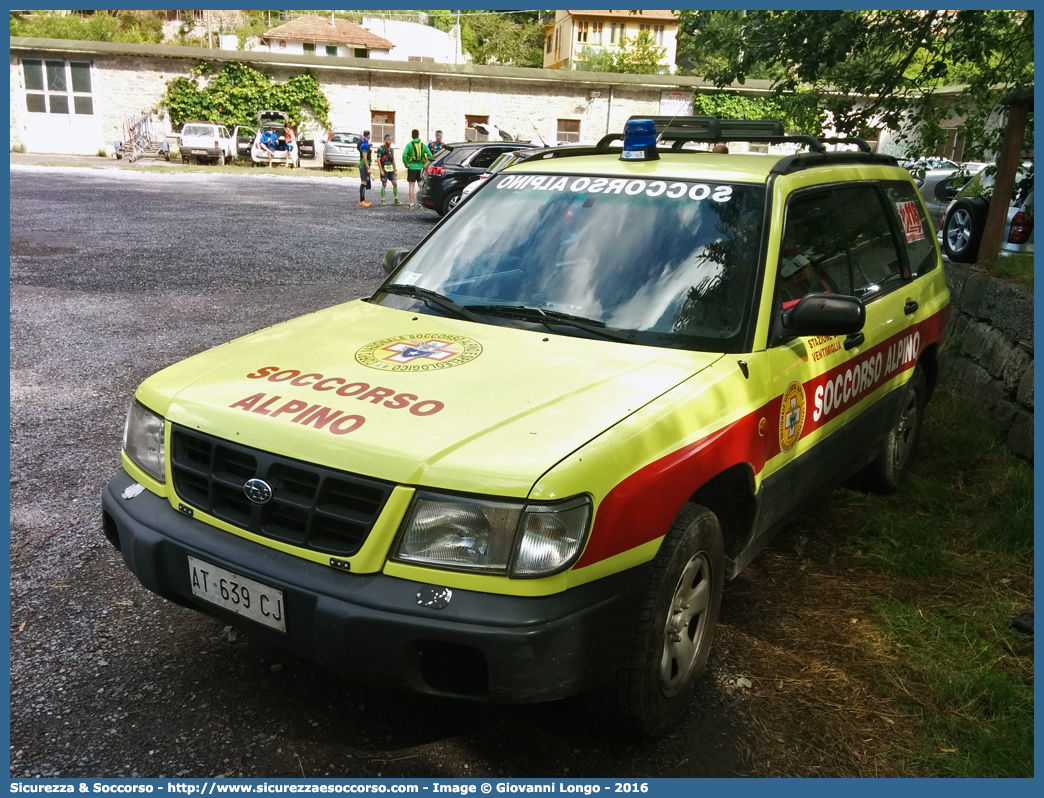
pixel 115 274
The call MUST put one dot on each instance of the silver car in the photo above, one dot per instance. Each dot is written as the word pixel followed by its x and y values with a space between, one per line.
pixel 341 149
pixel 965 218
pixel 938 188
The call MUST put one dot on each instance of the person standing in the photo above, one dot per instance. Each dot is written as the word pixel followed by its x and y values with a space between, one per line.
pixel 364 168
pixel 414 156
pixel 289 133
pixel 437 145
pixel 386 164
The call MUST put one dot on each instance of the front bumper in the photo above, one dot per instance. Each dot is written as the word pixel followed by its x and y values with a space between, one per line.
pixel 371 626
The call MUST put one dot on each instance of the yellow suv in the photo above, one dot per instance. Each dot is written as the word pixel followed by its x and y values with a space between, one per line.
pixel 525 466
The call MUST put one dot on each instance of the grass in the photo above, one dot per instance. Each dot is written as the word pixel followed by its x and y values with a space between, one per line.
pixel 877 629
pixel 958 542
pixel 1015 268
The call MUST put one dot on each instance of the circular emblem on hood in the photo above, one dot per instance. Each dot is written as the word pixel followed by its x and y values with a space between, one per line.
pixel 258 491
pixel 419 352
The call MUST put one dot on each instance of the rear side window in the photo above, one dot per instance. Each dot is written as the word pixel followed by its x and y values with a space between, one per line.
pixel 913 227
pixel 485 157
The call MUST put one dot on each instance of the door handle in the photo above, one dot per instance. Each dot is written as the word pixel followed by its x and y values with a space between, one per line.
pixel 910 307
pixel 855 339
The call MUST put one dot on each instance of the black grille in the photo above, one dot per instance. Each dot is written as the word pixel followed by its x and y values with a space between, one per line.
pixel 312 507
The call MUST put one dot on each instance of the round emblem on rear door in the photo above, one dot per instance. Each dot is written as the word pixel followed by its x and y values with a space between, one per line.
pixel 258 491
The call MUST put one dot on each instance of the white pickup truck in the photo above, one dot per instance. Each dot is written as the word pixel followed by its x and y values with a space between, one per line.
pixel 206 141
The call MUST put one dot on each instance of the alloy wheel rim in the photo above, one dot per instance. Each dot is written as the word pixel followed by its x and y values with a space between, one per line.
pixel 959 230
pixel 686 624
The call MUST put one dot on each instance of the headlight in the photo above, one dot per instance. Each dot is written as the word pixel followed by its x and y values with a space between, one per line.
pixel 143 440
pixel 501 537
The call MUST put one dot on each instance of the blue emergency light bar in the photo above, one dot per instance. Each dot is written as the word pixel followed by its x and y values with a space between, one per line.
pixel 639 140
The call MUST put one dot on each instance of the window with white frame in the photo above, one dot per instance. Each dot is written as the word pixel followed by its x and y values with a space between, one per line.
pixel 582 27
pixel 58 87
pixel 658 34
pixel 596 33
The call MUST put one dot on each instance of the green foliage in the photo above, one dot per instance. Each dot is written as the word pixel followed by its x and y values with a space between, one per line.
pixel 238 92
pixel 636 55
pixel 869 68
pixel 134 27
pixel 515 39
pixel 798 111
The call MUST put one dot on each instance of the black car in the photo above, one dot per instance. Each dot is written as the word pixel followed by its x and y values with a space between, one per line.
pixel 457 165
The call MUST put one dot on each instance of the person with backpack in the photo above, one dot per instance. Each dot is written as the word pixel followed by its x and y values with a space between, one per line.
pixel 364 168
pixel 386 165
pixel 414 156
pixel 436 146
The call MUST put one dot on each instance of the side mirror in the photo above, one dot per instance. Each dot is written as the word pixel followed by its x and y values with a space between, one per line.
pixel 393 257
pixel 825 314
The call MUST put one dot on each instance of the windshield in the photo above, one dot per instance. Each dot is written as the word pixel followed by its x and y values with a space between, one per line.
pixel 672 262
pixel 208 131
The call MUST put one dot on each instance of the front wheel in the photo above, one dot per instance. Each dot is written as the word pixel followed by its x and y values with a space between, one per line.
pixel 654 685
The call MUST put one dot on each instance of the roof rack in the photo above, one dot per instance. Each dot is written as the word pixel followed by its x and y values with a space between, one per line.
pixel 680 130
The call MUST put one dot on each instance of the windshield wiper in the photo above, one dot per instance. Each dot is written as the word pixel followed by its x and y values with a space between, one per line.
pixel 430 297
pixel 549 316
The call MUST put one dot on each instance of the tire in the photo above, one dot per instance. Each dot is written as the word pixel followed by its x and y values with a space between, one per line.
pixel 166 156
pixel 653 686
pixel 221 159
pixel 451 202
pixel 184 159
pixel 965 222
pixel 891 467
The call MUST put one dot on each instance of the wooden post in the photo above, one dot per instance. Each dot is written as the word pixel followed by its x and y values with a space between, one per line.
pixel 1004 183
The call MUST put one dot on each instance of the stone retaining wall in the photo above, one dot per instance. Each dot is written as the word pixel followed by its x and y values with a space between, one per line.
pixel 989 356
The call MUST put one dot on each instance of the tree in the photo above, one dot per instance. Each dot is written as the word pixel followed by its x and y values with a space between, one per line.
pixel 515 39
pixel 868 68
pixel 886 67
pixel 136 27
pixel 638 56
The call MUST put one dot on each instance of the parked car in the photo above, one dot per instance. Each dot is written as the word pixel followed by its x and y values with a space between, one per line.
pixel 444 179
pixel 276 121
pixel 938 187
pixel 920 165
pixel 341 149
pixel 501 163
pixel 525 466
pixel 965 218
pixel 205 142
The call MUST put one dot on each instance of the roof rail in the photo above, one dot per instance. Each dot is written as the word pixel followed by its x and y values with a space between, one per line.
pixel 682 129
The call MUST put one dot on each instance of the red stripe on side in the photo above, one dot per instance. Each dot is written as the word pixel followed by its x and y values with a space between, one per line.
pixel 642 506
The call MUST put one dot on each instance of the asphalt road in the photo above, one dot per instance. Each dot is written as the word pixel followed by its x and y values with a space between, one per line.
pixel 114 275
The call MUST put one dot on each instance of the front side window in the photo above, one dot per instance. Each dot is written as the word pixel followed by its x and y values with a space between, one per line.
pixel 58 87
pixel 838 240
pixel 669 263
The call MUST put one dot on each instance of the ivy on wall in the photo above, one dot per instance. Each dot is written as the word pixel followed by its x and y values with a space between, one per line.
pixel 235 95
pixel 796 111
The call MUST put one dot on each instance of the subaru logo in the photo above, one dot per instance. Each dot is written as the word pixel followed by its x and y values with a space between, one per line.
pixel 258 491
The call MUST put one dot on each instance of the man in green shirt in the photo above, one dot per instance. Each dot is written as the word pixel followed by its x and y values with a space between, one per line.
pixel 414 156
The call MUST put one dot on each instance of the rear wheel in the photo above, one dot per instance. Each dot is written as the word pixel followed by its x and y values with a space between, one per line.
pixel 221 159
pixel 451 202
pixel 964 225
pixel 653 686
pixel 895 456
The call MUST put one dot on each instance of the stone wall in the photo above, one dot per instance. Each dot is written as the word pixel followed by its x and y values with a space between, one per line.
pixel 989 356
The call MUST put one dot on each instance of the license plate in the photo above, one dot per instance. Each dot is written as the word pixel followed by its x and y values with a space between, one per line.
pixel 242 596
pixel 199 152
